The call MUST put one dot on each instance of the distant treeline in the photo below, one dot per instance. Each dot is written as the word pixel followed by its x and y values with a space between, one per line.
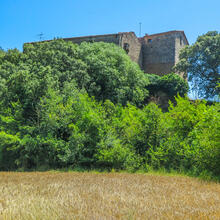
pixel 88 106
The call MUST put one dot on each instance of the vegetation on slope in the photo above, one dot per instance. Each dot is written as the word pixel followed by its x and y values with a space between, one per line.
pixel 67 105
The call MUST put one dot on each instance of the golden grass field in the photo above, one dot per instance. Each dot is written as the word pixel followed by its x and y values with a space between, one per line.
pixel 51 195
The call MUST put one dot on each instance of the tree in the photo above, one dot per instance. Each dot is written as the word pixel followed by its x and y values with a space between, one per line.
pixel 202 63
pixel 46 115
pixel 104 70
pixel 172 84
pixel 112 74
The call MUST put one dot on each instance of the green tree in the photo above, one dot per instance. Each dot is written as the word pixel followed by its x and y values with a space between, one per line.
pixel 104 70
pixel 202 63
pixel 189 138
pixel 172 84
pixel 113 75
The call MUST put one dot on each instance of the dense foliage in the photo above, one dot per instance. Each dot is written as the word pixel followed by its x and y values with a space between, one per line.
pixel 103 70
pixel 202 61
pixel 78 106
pixel 171 84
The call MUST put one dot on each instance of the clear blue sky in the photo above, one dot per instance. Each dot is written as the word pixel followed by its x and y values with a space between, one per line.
pixel 22 20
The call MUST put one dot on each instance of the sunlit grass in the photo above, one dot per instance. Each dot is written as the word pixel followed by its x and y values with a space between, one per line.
pixel 54 195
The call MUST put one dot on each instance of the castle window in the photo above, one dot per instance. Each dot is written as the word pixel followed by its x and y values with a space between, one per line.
pixel 126 47
pixel 149 40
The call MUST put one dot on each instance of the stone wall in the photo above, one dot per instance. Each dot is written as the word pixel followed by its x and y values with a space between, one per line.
pixel 180 43
pixel 159 68
pixel 158 54
pixel 134 46
pixel 108 38
pixel 161 51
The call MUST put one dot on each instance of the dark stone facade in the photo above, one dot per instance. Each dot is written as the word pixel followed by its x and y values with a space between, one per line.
pixel 161 51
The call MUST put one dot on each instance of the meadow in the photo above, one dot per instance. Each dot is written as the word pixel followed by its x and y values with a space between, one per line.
pixel 75 195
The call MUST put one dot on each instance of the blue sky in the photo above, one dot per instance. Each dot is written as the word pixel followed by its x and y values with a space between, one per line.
pixel 22 20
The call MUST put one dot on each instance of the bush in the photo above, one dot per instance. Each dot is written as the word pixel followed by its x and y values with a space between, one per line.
pixel 189 138
pixel 112 154
pixel 172 84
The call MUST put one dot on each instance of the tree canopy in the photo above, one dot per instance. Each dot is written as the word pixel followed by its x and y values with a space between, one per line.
pixel 103 70
pixel 202 63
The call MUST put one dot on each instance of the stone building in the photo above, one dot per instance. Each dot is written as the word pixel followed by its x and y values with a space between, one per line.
pixel 156 53
pixel 161 51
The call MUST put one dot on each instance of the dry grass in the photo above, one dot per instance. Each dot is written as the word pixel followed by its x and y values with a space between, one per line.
pixel 106 196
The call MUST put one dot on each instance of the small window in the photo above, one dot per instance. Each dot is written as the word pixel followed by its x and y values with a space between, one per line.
pixel 126 47
pixel 149 40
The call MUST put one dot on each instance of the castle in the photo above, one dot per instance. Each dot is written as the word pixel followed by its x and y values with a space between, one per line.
pixel 156 53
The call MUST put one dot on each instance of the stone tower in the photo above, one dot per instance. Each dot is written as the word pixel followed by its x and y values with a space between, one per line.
pixel 161 51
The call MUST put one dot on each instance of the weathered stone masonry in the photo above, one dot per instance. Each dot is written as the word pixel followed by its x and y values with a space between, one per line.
pixel 161 51
pixel 156 53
